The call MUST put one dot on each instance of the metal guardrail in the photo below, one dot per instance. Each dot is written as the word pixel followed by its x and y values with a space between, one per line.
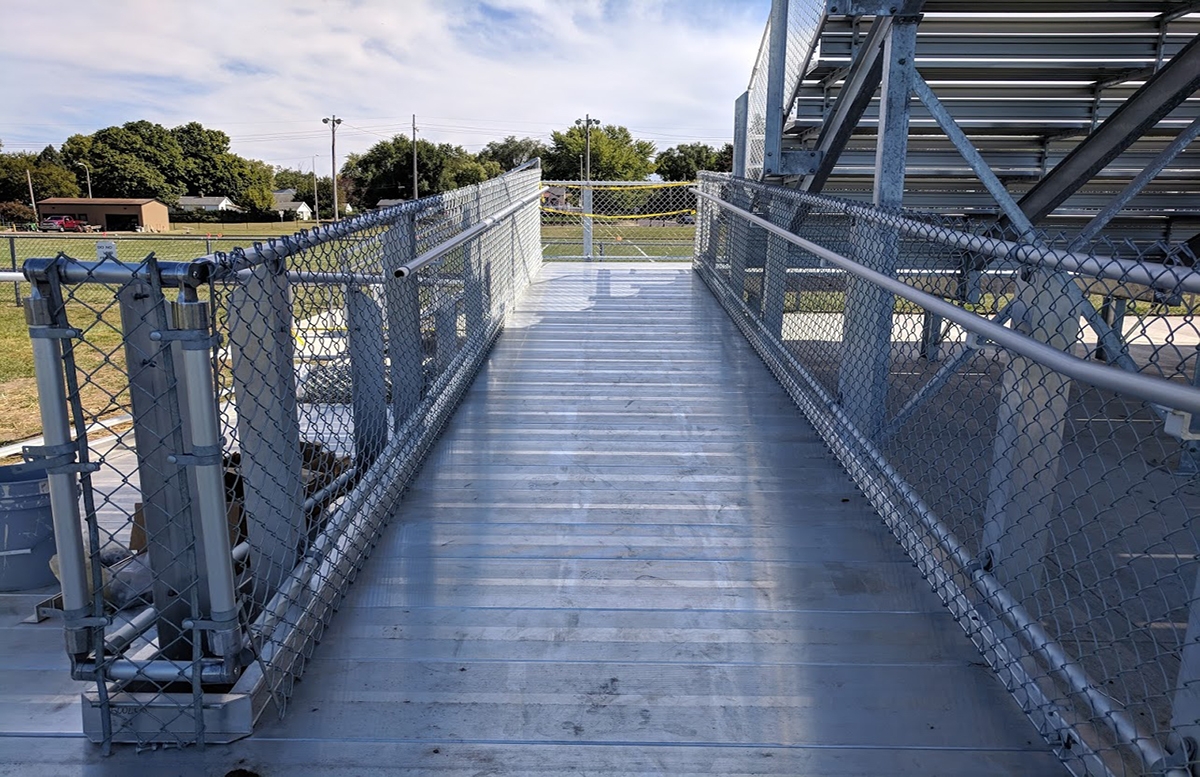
pixel 280 400
pixel 1038 468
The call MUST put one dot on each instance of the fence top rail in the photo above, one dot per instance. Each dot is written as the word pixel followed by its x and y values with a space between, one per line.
pixel 1151 389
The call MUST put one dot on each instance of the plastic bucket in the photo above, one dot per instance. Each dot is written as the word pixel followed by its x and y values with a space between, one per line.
pixel 26 528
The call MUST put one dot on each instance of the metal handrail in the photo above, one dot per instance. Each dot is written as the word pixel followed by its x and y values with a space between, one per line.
pixel 1156 390
pixel 462 237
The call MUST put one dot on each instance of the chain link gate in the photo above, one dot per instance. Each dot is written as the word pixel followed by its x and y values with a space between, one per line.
pixel 281 396
pixel 1019 411
pixel 618 221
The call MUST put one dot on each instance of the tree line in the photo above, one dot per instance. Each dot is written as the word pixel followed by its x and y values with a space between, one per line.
pixel 144 159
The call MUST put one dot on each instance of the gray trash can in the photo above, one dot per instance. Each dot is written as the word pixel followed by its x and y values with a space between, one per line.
pixel 26 528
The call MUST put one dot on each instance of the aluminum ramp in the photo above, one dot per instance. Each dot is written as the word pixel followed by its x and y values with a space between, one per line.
pixel 628 554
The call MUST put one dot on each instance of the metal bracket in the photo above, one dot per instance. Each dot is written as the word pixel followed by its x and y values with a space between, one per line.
pixel 873 7
pixel 58 459
pixel 201 456
pixel 55 333
pixel 72 621
pixel 797 163
pixel 192 339
pixel 210 625
pixel 1178 424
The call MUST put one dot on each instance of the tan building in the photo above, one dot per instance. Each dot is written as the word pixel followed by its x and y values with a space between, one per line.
pixel 112 214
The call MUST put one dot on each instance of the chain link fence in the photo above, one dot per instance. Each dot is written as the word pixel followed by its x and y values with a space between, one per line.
pixel 618 221
pixel 1019 411
pixel 281 395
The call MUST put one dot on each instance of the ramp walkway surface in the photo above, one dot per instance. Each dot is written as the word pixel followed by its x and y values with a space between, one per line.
pixel 628 554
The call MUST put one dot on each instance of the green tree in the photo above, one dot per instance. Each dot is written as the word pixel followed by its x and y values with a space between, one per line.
pixel 51 156
pixel 385 172
pixel 511 152
pixel 209 169
pixel 724 159
pixel 16 213
pixel 49 180
pixel 463 170
pixel 684 161
pixel 137 159
pixel 256 186
pixel 616 155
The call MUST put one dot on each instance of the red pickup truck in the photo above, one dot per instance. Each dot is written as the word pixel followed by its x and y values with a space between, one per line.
pixel 61 224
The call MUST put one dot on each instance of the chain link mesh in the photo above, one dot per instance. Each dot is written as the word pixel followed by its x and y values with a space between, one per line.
pixel 626 220
pixel 1056 518
pixel 327 376
pixel 803 22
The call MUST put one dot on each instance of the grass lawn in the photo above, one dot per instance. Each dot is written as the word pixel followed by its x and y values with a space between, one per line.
pixel 620 240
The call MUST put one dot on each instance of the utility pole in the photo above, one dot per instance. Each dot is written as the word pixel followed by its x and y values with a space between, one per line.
pixel 587 122
pixel 87 170
pixel 333 122
pixel 414 193
pixel 316 202
pixel 32 199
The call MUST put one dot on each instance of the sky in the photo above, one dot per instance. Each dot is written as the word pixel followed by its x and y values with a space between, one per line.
pixel 266 72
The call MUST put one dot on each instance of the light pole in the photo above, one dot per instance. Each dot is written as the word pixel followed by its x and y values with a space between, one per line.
pixel 333 122
pixel 587 122
pixel 415 186
pixel 87 170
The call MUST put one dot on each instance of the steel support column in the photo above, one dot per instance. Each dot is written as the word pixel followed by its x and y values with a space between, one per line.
pixel 867 335
pixel 741 118
pixel 776 73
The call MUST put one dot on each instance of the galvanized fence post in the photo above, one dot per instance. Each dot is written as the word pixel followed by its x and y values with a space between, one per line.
pixel 368 379
pixel 403 300
pixel 778 256
pixel 194 358
pixel 474 303
pixel 12 254
pixel 1031 419
pixel 166 511
pixel 586 205
pixel 739 243
pixel 264 380
pixel 64 495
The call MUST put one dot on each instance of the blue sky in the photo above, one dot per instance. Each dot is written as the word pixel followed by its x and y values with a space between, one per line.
pixel 267 72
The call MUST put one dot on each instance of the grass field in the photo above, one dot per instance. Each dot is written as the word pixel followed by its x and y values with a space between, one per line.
pixel 620 240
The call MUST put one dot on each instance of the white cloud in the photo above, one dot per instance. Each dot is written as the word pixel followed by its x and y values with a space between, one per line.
pixel 266 72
